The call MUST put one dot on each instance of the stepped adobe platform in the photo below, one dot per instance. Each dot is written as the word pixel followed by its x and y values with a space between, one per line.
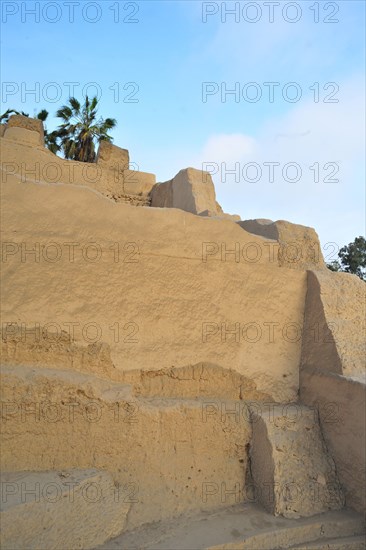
pixel 66 509
pixel 172 377
pixel 246 527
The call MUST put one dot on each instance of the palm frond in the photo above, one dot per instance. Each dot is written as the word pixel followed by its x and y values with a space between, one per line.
pixel 81 130
pixel 42 115
pixel 74 104
pixel 65 113
pixel 94 103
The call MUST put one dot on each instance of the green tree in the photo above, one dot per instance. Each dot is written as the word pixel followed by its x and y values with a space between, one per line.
pixel 50 138
pixel 352 259
pixel 334 266
pixel 81 130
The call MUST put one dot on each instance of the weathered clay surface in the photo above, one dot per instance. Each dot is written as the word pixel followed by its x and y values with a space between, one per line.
pixel 60 509
pixel 190 190
pixel 111 156
pixel 341 403
pixel 28 131
pixel 292 472
pixel 298 246
pixel 246 527
pixel 23 154
pixel 166 455
pixel 334 326
pixel 134 341
pixel 167 290
pixel 200 380
pixel 220 214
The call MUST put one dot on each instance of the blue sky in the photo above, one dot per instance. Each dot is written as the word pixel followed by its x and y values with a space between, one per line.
pixel 313 128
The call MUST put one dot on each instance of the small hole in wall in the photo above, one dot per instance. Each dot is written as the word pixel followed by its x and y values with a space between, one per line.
pixel 284 376
pixel 241 460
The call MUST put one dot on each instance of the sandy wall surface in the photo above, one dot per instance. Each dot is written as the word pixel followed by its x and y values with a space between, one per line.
pixel 166 456
pixel 334 327
pixel 165 288
pixel 156 311
pixel 20 155
pixel 298 245
pixel 341 403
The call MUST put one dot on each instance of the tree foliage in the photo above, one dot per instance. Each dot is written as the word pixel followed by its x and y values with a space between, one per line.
pixel 352 258
pixel 79 132
pixel 4 118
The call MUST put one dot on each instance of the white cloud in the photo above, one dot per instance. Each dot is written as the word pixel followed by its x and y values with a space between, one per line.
pixel 307 134
pixel 229 147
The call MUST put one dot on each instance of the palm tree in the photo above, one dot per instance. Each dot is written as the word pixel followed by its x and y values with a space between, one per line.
pixel 50 138
pixel 81 129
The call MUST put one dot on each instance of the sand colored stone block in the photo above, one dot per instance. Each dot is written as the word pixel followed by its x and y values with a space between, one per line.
pixel 109 176
pixel 162 195
pixel 334 325
pixel 341 402
pixel 60 509
pixel 191 190
pixel 293 474
pixel 298 245
pixel 138 183
pixel 220 215
pixel 133 183
pixel 113 157
pixel 26 130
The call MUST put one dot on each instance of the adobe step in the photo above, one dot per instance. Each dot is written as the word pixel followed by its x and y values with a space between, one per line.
pixel 240 527
pixel 59 509
pixel 293 473
pixel 343 543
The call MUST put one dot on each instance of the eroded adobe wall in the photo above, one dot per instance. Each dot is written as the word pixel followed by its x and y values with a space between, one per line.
pixel 298 246
pixel 334 325
pixel 24 130
pixel 332 373
pixel 181 308
pixel 166 456
pixel 23 154
pixel 341 403
pixel 190 190
pixel 71 516
pixel 164 289
pixel 51 350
